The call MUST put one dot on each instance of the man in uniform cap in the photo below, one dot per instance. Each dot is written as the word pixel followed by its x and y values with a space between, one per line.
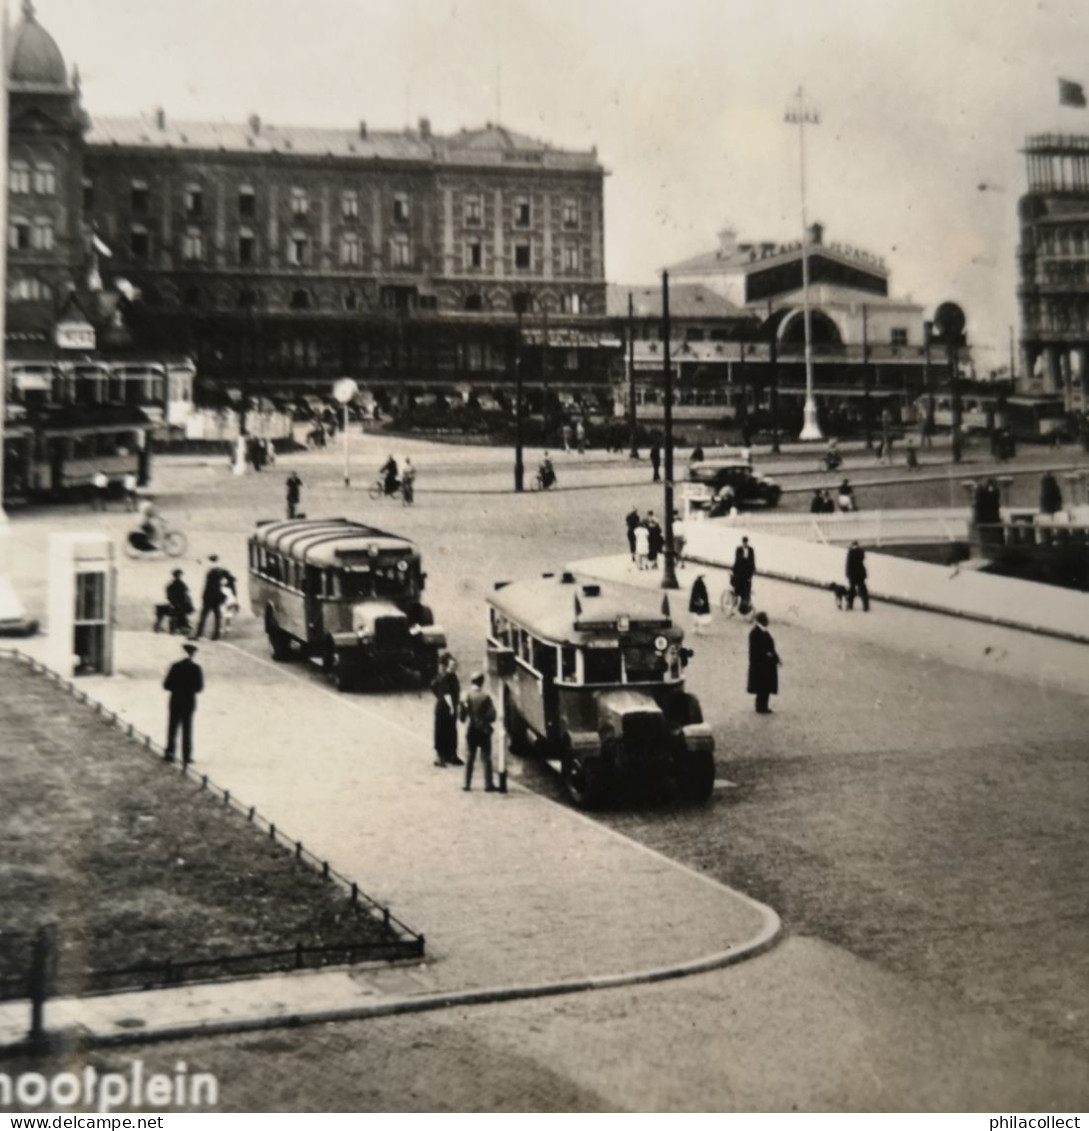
pixel 479 710
pixel 184 681
pixel 211 600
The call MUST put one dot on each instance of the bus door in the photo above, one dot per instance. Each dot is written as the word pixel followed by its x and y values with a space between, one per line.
pixel 312 605
pixel 544 660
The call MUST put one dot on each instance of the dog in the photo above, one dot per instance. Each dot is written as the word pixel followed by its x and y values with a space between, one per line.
pixel 840 593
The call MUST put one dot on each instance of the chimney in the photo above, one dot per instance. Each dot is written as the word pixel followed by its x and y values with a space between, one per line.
pixel 160 118
pixel 727 243
pixel 363 130
pixel 425 127
pixel 816 234
pixel 255 124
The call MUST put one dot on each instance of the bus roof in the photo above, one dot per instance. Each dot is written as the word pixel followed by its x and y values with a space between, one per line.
pixel 328 541
pixel 564 610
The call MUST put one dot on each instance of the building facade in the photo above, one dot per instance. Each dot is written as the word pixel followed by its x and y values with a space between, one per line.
pixel 1053 261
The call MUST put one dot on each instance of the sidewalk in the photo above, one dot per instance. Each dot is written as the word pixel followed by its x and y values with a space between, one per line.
pixel 517 896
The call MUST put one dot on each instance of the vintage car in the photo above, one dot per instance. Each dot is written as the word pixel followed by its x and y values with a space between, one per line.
pixel 731 483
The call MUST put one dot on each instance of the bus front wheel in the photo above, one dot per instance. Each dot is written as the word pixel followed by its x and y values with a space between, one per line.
pixel 585 779
pixel 339 667
pixel 697 777
pixel 515 726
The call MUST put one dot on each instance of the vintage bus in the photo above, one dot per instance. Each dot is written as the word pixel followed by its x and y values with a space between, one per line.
pixel 346 594
pixel 593 674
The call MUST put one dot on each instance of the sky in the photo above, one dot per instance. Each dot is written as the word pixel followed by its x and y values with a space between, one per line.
pixel 920 105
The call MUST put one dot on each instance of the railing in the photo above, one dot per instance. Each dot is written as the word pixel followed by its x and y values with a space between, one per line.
pixel 405 942
pixel 875 528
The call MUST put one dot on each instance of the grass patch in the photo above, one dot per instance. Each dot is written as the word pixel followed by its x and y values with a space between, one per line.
pixel 136 865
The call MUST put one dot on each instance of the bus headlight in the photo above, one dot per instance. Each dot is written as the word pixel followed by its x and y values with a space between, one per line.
pixel 660 643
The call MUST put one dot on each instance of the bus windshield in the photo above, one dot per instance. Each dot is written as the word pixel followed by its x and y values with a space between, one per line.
pixel 360 586
pixel 643 663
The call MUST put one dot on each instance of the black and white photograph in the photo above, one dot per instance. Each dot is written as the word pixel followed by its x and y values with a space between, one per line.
pixel 544 558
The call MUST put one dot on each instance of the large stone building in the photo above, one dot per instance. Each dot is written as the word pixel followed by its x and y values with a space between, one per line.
pixel 295 255
pixel 1054 269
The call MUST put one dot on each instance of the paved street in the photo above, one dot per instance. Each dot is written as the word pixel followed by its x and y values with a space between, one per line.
pixel 913 810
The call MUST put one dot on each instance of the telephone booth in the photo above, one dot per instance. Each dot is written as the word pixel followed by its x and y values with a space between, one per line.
pixel 82 599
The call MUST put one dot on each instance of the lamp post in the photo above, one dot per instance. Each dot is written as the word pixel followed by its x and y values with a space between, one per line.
pixel 519 466
pixel 801 115
pixel 669 574
pixel 633 447
pixel 928 381
pixel 344 392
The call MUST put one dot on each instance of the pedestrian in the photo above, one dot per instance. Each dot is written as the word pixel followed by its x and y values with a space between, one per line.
pixel 911 460
pixel 816 504
pixel 699 605
pixel 565 433
pixel 100 487
pixel 447 690
pixel 211 601
pixel 743 572
pixel 829 506
pixel 764 664
pixel 408 483
pixel 656 463
pixel 631 521
pixel 1051 497
pixel 129 485
pixel 184 681
pixel 478 709
pixel 680 539
pixel 294 493
pixel 178 607
pixel 847 497
pixel 641 542
pixel 697 454
pixel 856 577
pixel 580 437
pixel 655 540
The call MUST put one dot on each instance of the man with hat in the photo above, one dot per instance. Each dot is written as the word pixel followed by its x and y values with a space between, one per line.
pixel 211 600
pixel 478 710
pixel 184 681
pixel 178 606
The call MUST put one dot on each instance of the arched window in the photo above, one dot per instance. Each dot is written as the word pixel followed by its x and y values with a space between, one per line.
pixel 474 303
pixel 19 177
pixel 43 239
pixel 350 250
pixel 300 299
pixel 45 180
pixel 19 234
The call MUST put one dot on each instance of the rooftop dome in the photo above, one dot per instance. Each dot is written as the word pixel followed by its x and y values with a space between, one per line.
pixel 35 56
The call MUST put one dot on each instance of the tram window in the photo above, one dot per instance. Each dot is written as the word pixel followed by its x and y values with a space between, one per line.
pixel 569 664
pixel 602 665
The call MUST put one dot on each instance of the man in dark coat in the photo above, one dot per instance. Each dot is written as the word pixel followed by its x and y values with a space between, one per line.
pixel 656 462
pixel 655 539
pixel 478 710
pixel 699 605
pixel 744 570
pixel 763 664
pixel 184 681
pixel 179 605
pixel 211 600
pixel 447 690
pixel 294 493
pixel 1051 497
pixel 632 520
pixel 856 577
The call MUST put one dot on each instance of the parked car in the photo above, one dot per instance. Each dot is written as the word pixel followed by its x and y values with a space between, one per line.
pixel 721 477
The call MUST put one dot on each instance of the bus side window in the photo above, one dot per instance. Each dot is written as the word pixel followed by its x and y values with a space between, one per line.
pixel 527 648
pixel 297 576
pixel 602 665
pixel 544 658
pixel 569 664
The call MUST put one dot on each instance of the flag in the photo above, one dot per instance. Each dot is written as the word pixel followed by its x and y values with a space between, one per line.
pixel 1071 94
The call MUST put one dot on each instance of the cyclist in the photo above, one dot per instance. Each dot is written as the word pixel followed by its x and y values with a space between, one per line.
pixel 546 473
pixel 389 471
pixel 148 536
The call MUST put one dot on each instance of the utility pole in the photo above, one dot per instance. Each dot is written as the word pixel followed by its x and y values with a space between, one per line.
pixel 669 575
pixel 633 449
pixel 544 377
pixel 774 396
pixel 866 427
pixel 801 114
pixel 519 466
pixel 928 381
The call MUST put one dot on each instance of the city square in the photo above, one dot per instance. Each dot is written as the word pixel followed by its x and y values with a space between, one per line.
pixel 260 377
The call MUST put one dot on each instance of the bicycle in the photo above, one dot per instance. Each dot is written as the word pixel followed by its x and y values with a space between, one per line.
pixel 378 490
pixel 733 604
pixel 172 544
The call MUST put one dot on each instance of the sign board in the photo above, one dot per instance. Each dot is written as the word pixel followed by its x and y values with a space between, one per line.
pixel 75 336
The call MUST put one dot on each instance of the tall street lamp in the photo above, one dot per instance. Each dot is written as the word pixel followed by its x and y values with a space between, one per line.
pixel 802 114
pixel 519 465
pixel 669 575
pixel 633 447
pixel 344 391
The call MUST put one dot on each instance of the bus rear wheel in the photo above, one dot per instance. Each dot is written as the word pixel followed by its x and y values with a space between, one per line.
pixel 697 777
pixel 515 726
pixel 278 641
pixel 585 779
pixel 339 668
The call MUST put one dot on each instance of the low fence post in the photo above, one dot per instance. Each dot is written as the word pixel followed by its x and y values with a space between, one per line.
pixel 42 969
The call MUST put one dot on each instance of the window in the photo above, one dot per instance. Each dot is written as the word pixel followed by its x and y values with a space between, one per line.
pixel 474 303
pixel 88 195
pixel 19 234
pixel 571 214
pixel 351 300
pixel 45 180
pixel 572 260
pixel 571 359
pixel 569 669
pixel 402 208
pixel 571 303
pixel 300 300
pixel 19 177
pixel 247 298
pixel 474 211
pixel 349 204
pixel 28 290
pixel 139 198
pixel 192 297
pixel 400 252
pixel 601 665
pixel 247 202
pixel 43 239
pixel 300 202
pixel 350 250
pixel 899 336
pixel 138 242
pixel 522 257
pixel 193 246
pixel 474 254
pixel 298 249
pixel 194 201
pixel 523 214
pixel 247 247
